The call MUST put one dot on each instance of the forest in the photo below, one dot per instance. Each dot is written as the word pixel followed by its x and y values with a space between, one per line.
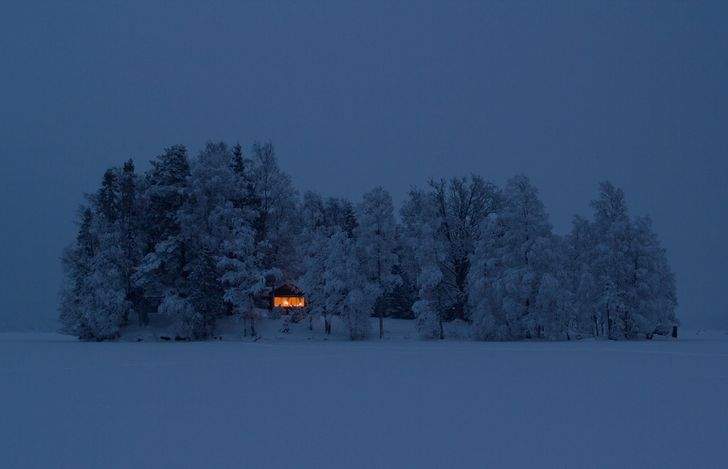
pixel 197 238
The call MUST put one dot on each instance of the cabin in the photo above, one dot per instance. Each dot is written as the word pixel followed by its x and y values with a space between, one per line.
pixel 288 296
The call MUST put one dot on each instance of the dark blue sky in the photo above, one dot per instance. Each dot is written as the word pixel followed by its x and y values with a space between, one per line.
pixel 357 94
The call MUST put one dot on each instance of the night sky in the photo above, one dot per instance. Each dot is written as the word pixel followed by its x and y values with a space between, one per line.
pixel 360 94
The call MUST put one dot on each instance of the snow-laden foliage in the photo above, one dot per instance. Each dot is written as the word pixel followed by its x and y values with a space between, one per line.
pixel 440 227
pixel 514 288
pixel 654 293
pixel 95 298
pixel 197 238
pixel 428 320
pixel 275 216
pixel 210 228
pixel 164 192
pixel 320 220
pixel 356 311
pixel 183 241
pixel 187 321
pixel 313 280
pixel 76 263
pixel 345 289
pixel 376 242
pixel 334 282
pixel 620 278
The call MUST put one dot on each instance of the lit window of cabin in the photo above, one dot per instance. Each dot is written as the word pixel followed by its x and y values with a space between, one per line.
pixel 288 296
pixel 289 302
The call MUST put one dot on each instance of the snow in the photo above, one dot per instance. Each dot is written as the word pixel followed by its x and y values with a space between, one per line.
pixel 297 400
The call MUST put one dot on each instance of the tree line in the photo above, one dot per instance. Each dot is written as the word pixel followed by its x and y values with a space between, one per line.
pixel 194 239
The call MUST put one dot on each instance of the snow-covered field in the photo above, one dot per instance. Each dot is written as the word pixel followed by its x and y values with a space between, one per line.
pixel 300 401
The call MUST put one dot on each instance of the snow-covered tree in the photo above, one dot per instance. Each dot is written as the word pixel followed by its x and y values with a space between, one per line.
pixel 514 288
pixel 206 264
pixel 94 300
pixel 77 266
pixel 105 307
pixel 335 284
pixel 610 263
pixel 621 281
pixel 460 206
pixel 320 218
pixel 376 246
pixel 221 262
pixel 275 222
pixel 164 191
pixel 241 273
pixel 345 288
pixel 347 217
pixel 428 320
pixel 356 313
pixel 422 255
pixel 108 306
pixel 654 291
pixel 313 252
pixel 130 238
pixel 440 228
pixel 579 248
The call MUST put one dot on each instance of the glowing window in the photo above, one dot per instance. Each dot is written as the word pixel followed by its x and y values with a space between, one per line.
pixel 289 301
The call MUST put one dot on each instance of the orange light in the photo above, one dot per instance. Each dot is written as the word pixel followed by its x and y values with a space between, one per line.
pixel 289 301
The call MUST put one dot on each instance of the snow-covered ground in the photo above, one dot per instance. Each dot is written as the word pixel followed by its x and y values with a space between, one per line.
pixel 299 401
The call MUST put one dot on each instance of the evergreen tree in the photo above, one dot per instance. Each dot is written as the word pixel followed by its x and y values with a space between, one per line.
pixel 77 266
pixel 166 191
pixel 214 232
pixel 161 272
pixel 349 222
pixel 106 308
pixel 94 302
pixel 238 161
pixel 108 198
pixel 131 246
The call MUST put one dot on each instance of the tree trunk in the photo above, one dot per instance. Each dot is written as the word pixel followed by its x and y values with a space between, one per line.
pixel 609 327
pixel 381 324
pixel 143 316
pixel 442 331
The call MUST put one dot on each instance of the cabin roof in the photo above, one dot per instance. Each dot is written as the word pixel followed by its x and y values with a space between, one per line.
pixel 287 289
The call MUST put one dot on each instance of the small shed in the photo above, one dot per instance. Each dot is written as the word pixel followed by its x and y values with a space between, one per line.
pixel 288 296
